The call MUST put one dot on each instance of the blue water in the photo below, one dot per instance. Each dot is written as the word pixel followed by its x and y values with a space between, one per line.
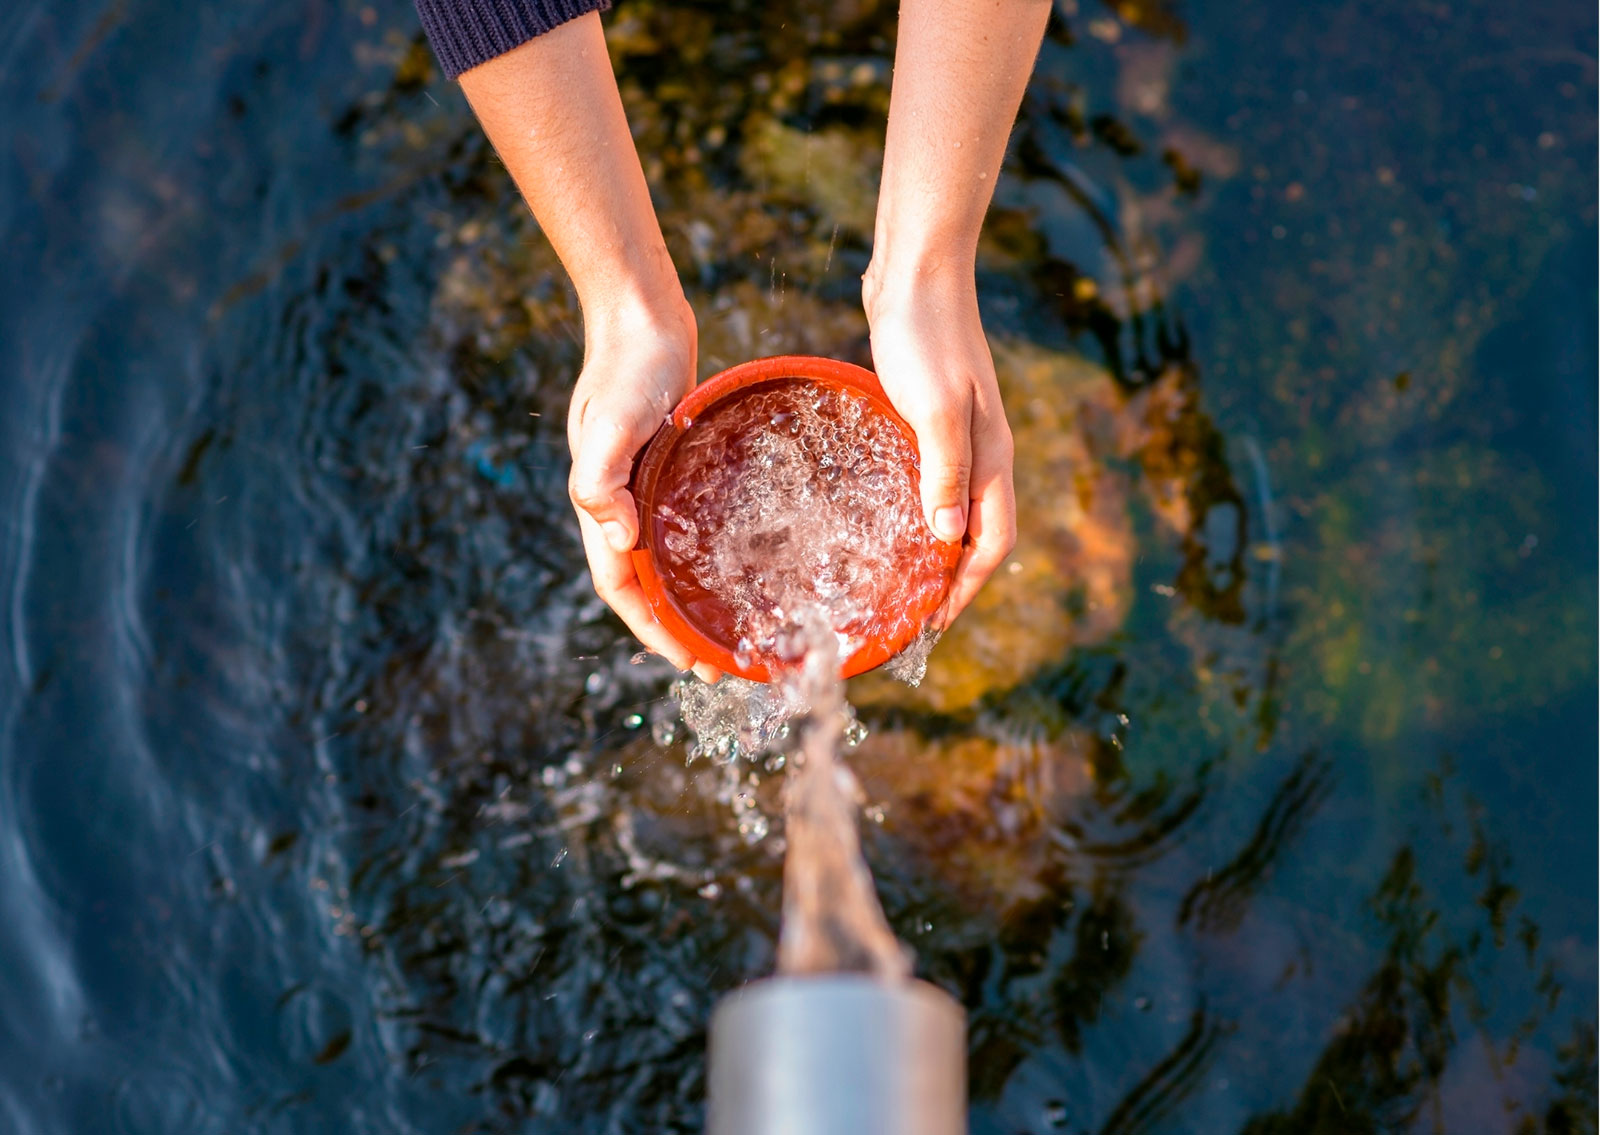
pixel 328 796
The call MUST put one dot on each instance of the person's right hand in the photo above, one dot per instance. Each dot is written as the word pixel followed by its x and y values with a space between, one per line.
pixel 638 364
pixel 934 362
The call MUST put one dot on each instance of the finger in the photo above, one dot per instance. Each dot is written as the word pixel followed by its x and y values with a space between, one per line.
pixel 707 673
pixel 601 465
pixel 993 520
pixel 944 441
pixel 617 583
pixel 993 529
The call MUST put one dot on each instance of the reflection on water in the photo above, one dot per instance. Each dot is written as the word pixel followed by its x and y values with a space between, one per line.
pixel 1255 794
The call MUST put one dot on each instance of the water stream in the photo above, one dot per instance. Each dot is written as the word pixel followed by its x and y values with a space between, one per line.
pixel 832 921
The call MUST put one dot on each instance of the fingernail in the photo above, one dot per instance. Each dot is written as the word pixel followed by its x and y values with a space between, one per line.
pixel 949 523
pixel 617 535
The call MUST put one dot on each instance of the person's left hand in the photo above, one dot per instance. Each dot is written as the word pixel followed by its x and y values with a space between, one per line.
pixel 934 362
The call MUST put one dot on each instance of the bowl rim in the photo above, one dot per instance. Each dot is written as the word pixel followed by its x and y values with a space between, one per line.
pixel 829 372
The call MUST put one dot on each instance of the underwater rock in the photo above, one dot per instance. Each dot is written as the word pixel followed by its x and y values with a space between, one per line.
pixel 977 812
pixel 1068 582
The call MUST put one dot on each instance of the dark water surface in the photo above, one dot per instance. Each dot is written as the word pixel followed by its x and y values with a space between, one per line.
pixel 1258 794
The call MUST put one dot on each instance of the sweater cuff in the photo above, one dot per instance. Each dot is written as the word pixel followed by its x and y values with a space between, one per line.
pixel 465 33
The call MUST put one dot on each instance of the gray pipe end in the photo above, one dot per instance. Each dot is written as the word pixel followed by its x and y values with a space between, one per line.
pixel 841 1054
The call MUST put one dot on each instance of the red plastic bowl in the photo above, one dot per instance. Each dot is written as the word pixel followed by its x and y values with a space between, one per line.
pixel 703 641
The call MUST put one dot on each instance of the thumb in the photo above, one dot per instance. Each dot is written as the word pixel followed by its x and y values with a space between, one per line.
pixel 601 463
pixel 944 438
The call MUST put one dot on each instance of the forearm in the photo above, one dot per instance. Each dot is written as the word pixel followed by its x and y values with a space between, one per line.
pixel 552 110
pixel 960 70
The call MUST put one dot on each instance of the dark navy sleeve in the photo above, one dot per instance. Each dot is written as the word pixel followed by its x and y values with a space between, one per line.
pixel 465 33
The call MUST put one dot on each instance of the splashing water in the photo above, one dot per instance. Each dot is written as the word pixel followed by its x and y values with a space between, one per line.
pixel 832 921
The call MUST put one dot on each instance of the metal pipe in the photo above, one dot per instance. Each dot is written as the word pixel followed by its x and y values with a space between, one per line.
pixel 840 1054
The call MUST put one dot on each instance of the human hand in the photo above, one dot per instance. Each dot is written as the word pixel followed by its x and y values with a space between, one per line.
pixel 933 360
pixel 638 364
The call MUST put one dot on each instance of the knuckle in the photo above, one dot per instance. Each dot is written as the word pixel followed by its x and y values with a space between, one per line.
pixel 949 470
pixel 604 588
pixel 947 423
pixel 582 493
pixel 1005 446
pixel 588 492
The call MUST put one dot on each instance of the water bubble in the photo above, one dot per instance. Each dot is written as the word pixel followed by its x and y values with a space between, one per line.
pixel 800 530
pixel 664 732
pixel 595 682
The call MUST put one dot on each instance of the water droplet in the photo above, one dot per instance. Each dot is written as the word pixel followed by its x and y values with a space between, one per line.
pixel 664 732
pixel 633 721
pixel 640 658
pixel 595 682
pixel 875 813
pixel 1055 1114
pixel 560 858
pixel 1142 1004
pixel 710 891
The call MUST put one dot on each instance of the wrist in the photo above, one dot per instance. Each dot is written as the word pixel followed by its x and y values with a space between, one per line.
pixel 639 313
pixel 629 283
pixel 933 277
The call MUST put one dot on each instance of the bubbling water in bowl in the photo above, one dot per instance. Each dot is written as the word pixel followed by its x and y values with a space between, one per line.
pixel 796 496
